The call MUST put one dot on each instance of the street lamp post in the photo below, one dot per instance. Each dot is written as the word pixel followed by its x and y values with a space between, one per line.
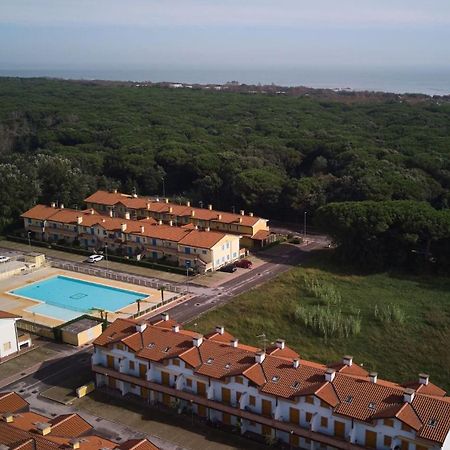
pixel 29 239
pixel 106 255
pixel 304 225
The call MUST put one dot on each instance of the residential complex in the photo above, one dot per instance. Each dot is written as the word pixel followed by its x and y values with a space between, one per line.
pixel 254 231
pixel 271 392
pixel 25 430
pixel 187 246
pixel 11 341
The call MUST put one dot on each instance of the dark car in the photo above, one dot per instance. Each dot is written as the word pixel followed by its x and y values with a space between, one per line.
pixel 244 263
pixel 229 268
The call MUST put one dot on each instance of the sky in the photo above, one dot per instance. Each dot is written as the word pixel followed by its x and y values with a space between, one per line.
pixel 40 34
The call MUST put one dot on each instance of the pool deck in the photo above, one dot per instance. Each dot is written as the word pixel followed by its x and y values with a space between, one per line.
pixel 18 305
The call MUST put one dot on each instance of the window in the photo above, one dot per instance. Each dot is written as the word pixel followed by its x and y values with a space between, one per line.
pixel 238 396
pixel 6 346
pixel 251 400
pixel 421 447
pixel 204 252
pixel 29 220
pixel 131 364
pixel 119 346
pixel 176 362
pixel 388 422
pixel 324 404
pixel 239 380
pixel 188 382
pixel 308 417
pixel 387 441
pixel 324 422
pixel 406 428
pixel 234 255
pixel 228 245
pixel 309 399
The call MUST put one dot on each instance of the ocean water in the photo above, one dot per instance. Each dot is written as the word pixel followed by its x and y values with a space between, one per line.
pixel 424 80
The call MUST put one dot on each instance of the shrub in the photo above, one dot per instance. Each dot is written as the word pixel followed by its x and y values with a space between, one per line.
pixel 389 314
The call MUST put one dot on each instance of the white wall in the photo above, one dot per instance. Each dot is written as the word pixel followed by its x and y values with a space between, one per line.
pixel 8 337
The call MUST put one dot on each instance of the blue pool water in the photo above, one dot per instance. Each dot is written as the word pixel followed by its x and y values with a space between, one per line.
pixel 54 312
pixel 75 295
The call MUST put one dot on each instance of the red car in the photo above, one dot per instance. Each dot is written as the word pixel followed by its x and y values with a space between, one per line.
pixel 244 263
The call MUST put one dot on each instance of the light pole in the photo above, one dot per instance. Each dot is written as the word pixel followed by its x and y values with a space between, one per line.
pixel 106 255
pixel 304 224
pixel 29 239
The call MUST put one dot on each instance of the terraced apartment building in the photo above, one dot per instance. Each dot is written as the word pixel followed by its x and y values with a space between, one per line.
pixel 23 429
pixel 272 393
pixel 203 250
pixel 253 231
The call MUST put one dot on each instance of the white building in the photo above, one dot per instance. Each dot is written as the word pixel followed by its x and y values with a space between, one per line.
pixel 10 341
pixel 274 393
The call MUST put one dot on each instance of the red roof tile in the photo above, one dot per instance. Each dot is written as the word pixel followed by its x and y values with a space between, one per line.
pixel 11 402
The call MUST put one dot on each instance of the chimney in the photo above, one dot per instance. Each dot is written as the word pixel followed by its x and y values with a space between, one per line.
pixel 167 200
pixel 220 329
pixel 196 227
pixel 170 209
pixel 424 378
pixel 347 360
pixel 219 216
pixel 8 417
pixel 74 443
pixel 164 317
pixel 134 195
pixel 197 340
pixel 115 191
pixel 127 215
pixel 92 211
pixel 234 342
pixel 188 203
pixel 373 377
pixel 123 227
pixel 207 229
pixel 61 205
pixel 193 213
pixel 210 207
pixel 140 327
pixel 157 199
pixel 260 357
pixel 142 228
pixel 170 223
pixel 160 222
pixel 240 219
pixel 43 428
pixel 176 328
pixel 242 212
pixel 53 205
pixel 296 363
pixel 280 343
pixel 330 374
pixel 408 395
pixel 250 214
pixel 110 213
pixel 79 220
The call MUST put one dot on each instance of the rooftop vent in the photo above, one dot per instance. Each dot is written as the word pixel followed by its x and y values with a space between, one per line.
pixel 408 395
pixel 166 200
pixel 296 363
pixel 210 207
pixel 142 228
pixel 176 328
pixel 373 377
pixel 242 212
pixel 197 341
pixel 280 343
pixel 123 227
pixel 53 205
pixel 275 379
pixel 220 329
pixel 151 345
pixel 330 374
pixel 210 360
pixel 234 342
pixel 166 350
pixel 164 317
pixel 250 214
pixel 372 406
pixel 259 357
pixel 140 327
pixel 170 209
pixel 432 423
pixel 79 220
pixel 193 213
pixel 348 399
pixel 296 385
pixel 188 203
pixel 61 205
pixel 160 222
pixel 227 366
pixel 347 360
pixel 219 216
pixel 43 428
pixel 424 378
pixel 8 417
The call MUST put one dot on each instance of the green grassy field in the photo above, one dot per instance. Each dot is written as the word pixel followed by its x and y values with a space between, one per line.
pixel 397 350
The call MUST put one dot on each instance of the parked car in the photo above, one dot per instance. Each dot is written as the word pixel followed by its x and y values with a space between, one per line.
pixel 230 268
pixel 95 258
pixel 244 263
pixel 4 259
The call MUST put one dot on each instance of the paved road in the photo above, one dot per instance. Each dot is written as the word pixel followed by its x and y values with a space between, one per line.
pixel 204 301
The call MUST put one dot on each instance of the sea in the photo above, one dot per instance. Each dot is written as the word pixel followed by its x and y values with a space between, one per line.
pixel 422 80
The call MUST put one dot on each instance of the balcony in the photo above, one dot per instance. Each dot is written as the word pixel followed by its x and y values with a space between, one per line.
pixel 235 411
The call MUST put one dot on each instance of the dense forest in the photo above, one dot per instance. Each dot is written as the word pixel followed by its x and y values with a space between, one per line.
pixel 275 155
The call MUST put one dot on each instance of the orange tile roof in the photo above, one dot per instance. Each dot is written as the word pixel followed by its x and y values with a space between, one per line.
pixel 71 425
pixel 7 315
pixel 428 389
pixel 138 444
pixel 202 239
pixel 11 402
pixel 39 212
pixel 110 199
pixel 27 420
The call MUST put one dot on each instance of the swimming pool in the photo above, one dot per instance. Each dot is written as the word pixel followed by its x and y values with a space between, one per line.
pixel 76 295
